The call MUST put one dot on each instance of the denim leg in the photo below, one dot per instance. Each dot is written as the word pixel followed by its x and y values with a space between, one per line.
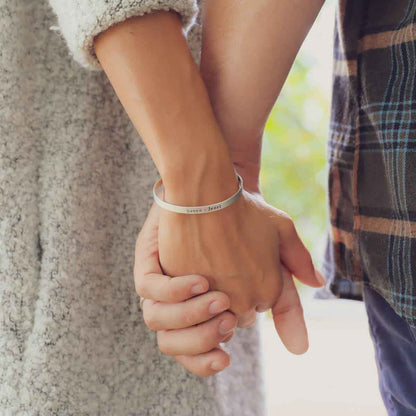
pixel 395 349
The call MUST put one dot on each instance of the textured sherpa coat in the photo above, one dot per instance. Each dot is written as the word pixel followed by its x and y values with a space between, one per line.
pixel 75 187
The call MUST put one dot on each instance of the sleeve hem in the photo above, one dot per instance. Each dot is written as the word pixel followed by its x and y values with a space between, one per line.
pixel 83 51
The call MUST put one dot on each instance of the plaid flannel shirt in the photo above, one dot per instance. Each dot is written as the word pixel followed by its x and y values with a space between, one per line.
pixel 372 153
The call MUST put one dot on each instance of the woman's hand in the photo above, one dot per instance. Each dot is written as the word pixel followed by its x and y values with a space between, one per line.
pixel 190 321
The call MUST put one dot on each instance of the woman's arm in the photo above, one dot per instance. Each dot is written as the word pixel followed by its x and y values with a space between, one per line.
pixel 247 51
pixel 151 69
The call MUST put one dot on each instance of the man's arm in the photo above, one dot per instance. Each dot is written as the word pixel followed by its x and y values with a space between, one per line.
pixel 248 49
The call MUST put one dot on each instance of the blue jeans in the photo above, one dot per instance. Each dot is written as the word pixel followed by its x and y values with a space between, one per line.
pixel 395 347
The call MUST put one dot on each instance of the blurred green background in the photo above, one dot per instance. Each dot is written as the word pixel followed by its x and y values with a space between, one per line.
pixel 294 179
pixel 294 172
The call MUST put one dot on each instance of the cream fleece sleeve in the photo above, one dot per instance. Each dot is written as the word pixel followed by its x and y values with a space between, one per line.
pixel 81 20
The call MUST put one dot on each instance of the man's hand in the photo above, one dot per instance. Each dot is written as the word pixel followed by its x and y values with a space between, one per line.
pixel 190 321
pixel 179 309
pixel 239 250
pixel 242 91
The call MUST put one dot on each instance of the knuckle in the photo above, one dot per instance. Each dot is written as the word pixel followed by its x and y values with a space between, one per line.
pixel 283 217
pixel 286 216
pixel 162 343
pixel 242 307
pixel 222 298
pixel 150 319
pixel 172 290
pixel 229 316
pixel 139 286
pixel 268 296
pixel 198 279
pixel 290 225
pixel 190 317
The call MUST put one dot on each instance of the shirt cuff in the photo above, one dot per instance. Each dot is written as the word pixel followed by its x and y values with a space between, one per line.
pixel 81 20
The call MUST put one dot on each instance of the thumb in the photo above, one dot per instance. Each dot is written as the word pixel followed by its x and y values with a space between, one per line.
pixel 288 316
pixel 296 257
pixel 147 247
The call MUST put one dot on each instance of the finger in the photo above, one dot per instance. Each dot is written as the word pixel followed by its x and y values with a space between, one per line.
pixel 228 338
pixel 288 317
pixel 162 316
pixel 296 257
pixel 263 307
pixel 199 338
pixel 150 282
pixel 164 288
pixel 247 319
pixel 205 364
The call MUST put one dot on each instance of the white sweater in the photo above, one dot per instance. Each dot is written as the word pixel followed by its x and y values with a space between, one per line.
pixel 75 188
pixel 81 20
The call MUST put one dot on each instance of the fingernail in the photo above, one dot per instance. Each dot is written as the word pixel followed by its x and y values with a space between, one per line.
pixel 215 307
pixel 195 289
pixel 225 327
pixel 216 366
pixel 228 336
pixel 320 277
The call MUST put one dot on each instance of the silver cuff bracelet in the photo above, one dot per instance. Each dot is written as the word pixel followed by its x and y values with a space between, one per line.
pixel 197 209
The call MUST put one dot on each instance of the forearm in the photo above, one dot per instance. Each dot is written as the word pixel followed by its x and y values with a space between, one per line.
pixel 151 69
pixel 248 49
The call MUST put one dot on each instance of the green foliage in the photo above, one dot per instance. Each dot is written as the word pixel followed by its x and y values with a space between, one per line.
pixel 293 175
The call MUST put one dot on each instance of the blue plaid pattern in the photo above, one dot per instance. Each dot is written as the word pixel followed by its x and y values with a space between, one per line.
pixel 372 153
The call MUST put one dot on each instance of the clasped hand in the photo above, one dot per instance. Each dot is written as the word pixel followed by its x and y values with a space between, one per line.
pixel 203 275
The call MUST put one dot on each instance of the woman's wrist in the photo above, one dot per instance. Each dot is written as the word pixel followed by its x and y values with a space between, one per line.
pixel 152 71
